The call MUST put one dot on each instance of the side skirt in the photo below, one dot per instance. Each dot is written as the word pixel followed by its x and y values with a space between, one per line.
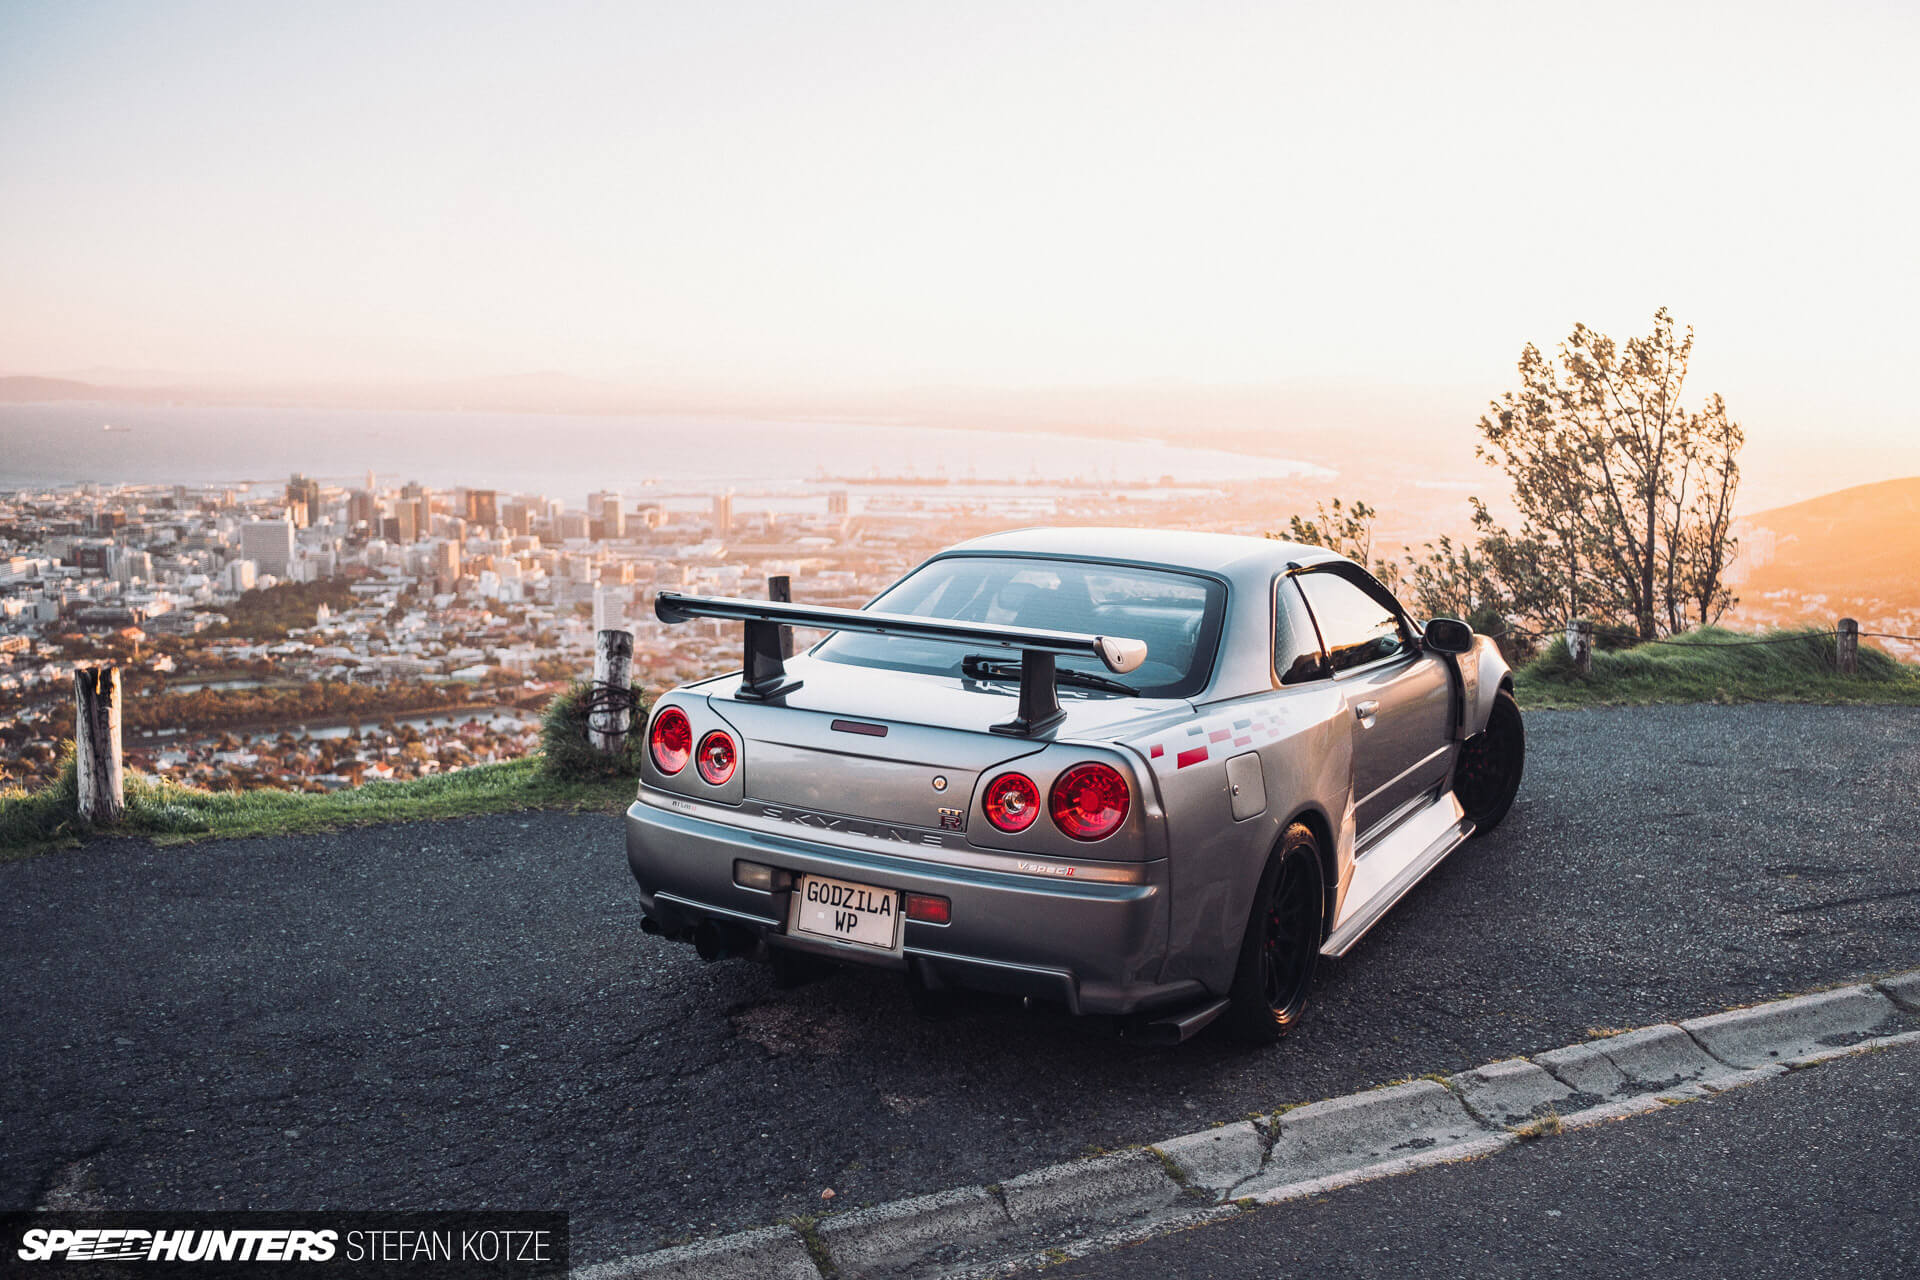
pixel 1392 867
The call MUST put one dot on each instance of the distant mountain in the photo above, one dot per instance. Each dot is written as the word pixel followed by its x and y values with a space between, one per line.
pixel 27 390
pixel 1856 545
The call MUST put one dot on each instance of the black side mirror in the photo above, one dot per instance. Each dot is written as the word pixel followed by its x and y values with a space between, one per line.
pixel 1448 635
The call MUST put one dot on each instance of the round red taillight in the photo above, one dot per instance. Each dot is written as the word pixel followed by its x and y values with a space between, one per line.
pixel 1012 802
pixel 1089 801
pixel 716 757
pixel 671 740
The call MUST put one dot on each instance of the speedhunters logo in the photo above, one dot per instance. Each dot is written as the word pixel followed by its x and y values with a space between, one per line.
pixel 110 1244
pixel 430 1246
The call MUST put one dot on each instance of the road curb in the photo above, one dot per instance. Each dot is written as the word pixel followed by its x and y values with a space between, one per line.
pixel 1789 1031
pixel 881 1240
pixel 1651 1062
pixel 1904 989
pixel 1105 1189
pixel 1510 1092
pixel 1325 1139
pixel 1216 1160
pixel 1086 1206
pixel 775 1253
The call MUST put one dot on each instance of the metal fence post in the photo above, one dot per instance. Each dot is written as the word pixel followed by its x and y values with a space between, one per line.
pixel 96 743
pixel 1846 647
pixel 1580 644
pixel 780 590
pixel 611 704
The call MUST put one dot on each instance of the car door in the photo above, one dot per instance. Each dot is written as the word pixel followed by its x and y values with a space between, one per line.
pixel 1399 699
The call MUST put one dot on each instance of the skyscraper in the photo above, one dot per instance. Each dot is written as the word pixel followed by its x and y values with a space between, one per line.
pixel 446 565
pixel 303 500
pixel 269 544
pixel 605 507
pixel 402 526
pixel 483 508
pixel 723 514
pixel 421 499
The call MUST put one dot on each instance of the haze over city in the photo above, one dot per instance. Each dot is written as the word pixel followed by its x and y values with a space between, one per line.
pixel 1271 221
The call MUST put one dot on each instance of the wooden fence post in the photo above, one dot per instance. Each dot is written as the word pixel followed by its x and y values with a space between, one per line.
pixel 1580 644
pixel 780 589
pixel 96 743
pixel 1846 647
pixel 612 711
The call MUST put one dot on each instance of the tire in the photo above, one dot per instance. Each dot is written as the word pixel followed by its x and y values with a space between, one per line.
pixel 1487 776
pixel 1281 945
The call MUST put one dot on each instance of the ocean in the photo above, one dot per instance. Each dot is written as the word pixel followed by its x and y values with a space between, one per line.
pixel 566 456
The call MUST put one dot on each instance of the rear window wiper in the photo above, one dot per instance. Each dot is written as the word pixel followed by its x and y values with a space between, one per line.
pixel 978 666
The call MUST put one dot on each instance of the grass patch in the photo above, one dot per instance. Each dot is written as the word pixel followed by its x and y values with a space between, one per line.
pixel 1172 1167
pixel 1546 1126
pixel 565 751
pixel 1712 664
pixel 808 1229
pixel 169 813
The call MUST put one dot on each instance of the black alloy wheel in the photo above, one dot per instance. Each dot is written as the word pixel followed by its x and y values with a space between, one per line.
pixel 1487 776
pixel 1282 943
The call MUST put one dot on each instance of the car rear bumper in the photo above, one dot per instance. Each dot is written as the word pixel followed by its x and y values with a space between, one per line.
pixel 1095 947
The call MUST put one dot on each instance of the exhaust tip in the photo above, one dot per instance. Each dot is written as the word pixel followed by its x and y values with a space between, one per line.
pixel 713 942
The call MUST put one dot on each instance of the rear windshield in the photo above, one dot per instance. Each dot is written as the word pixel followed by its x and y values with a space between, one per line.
pixel 1178 616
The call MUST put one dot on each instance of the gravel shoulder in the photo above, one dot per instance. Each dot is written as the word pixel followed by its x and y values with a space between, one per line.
pixel 466 1014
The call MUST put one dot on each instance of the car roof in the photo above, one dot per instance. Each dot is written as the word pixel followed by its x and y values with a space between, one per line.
pixel 1229 554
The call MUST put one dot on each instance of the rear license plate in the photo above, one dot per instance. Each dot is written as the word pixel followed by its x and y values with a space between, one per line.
pixel 862 914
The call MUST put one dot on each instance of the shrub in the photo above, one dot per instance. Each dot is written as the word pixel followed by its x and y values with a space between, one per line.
pixel 563 736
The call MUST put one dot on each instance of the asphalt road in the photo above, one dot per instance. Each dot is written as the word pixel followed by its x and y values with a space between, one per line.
pixel 466 1013
pixel 1804 1176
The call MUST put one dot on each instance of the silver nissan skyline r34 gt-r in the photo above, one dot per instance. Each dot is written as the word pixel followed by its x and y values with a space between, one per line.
pixel 1139 773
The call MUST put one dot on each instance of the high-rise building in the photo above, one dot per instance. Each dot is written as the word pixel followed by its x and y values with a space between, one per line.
pixel 446 565
pixel 363 509
pixel 837 503
pixel 517 518
pixel 421 499
pixel 269 544
pixel 723 514
pixel 605 507
pixel 133 566
pixel 401 526
pixel 482 508
pixel 303 500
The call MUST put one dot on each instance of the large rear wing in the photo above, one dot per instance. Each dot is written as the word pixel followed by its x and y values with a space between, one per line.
pixel 764 676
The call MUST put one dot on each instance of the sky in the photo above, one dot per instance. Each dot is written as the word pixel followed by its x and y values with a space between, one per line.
pixel 981 195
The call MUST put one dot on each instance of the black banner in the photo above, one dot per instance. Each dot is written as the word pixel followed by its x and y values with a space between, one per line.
pixel 326 1246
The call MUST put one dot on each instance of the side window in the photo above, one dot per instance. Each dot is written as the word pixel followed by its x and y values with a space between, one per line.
pixel 1296 645
pixel 1357 628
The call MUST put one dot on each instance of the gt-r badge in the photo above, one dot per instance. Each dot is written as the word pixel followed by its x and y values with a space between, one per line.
pixel 952 819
